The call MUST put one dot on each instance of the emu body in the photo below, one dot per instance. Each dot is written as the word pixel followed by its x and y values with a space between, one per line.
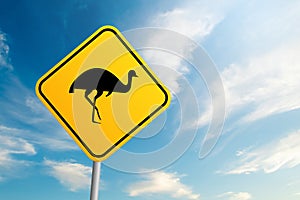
pixel 101 80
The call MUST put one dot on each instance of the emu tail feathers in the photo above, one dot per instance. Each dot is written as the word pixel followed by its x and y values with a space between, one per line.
pixel 71 90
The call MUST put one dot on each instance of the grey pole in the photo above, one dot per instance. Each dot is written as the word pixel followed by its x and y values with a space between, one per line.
pixel 95 180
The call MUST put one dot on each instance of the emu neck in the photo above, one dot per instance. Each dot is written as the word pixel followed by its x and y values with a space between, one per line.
pixel 120 87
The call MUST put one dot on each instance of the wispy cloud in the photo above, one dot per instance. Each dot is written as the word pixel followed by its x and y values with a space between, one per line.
pixel 59 141
pixel 270 158
pixel 15 141
pixel 161 182
pixel 188 21
pixel 4 52
pixel 194 20
pixel 9 147
pixel 19 102
pixel 262 78
pixel 25 123
pixel 268 83
pixel 22 115
pixel 171 54
pixel 235 196
pixel 72 175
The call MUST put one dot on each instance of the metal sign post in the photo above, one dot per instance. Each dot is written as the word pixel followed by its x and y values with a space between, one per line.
pixel 95 180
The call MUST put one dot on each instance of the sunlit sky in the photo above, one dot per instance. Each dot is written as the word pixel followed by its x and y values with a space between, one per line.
pixel 255 47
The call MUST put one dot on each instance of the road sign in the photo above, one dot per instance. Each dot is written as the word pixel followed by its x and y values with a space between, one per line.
pixel 103 93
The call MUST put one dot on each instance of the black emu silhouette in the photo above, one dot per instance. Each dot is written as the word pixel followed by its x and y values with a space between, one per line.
pixel 100 80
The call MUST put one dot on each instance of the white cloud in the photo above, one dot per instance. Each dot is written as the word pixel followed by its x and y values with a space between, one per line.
pixel 267 84
pixel 20 106
pixel 19 102
pixel 4 129
pixel 262 78
pixel 57 141
pixel 236 196
pixel 14 145
pixel 37 108
pixel 187 21
pixel 260 27
pixel 23 119
pixel 4 51
pixel 283 153
pixel 72 175
pixel 10 146
pixel 162 183
pixel 264 85
pixel 193 19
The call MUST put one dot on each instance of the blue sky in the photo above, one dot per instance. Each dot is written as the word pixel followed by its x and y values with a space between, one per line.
pixel 255 47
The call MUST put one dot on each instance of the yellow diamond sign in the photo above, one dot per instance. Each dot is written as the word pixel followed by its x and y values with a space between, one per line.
pixel 103 93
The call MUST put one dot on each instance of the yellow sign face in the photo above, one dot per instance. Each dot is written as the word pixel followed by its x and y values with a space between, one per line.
pixel 102 93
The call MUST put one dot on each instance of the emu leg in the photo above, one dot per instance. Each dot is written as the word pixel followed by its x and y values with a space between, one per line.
pixel 99 93
pixel 87 92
